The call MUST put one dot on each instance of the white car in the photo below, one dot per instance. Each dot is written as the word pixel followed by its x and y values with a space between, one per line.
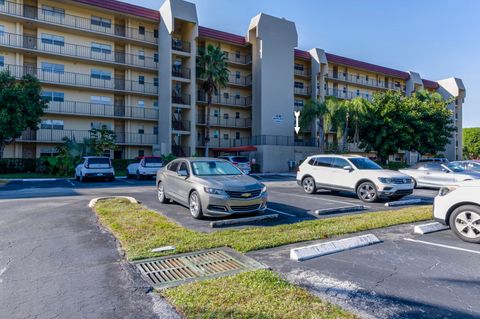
pixel 242 162
pixel 95 167
pixel 147 167
pixel 355 174
pixel 436 174
pixel 459 207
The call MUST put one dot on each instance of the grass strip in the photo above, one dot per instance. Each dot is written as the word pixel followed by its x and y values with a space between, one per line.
pixel 139 229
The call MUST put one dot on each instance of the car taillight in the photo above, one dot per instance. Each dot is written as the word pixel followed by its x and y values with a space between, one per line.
pixel 235 163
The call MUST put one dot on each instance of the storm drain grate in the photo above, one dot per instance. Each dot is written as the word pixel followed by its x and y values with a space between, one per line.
pixel 172 271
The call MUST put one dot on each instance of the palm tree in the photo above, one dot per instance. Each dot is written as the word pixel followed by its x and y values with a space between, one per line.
pixel 335 118
pixel 357 109
pixel 314 111
pixel 212 70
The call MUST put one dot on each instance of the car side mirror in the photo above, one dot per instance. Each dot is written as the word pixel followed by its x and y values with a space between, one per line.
pixel 348 168
pixel 182 173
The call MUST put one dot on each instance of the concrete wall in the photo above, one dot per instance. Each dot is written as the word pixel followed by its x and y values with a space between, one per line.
pixel 275 158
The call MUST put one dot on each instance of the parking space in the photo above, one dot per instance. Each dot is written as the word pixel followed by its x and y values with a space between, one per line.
pixel 404 276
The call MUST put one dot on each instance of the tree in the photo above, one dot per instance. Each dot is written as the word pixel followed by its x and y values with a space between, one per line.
pixel 314 111
pixel 471 143
pixel 335 118
pixel 357 109
pixel 213 71
pixel 21 106
pixel 101 139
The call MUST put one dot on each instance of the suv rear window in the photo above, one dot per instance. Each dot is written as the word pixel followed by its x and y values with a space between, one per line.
pixel 99 160
pixel 240 159
pixel 153 160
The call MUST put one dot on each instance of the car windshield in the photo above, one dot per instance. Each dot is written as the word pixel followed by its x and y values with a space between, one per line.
pixel 99 160
pixel 455 167
pixel 214 168
pixel 154 161
pixel 364 163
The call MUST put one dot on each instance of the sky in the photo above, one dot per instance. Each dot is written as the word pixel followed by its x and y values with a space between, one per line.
pixel 436 38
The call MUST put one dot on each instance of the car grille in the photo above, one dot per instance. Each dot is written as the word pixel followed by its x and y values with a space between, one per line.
pixel 402 181
pixel 246 208
pixel 244 195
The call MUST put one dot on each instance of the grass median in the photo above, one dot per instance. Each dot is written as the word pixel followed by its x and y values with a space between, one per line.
pixel 140 229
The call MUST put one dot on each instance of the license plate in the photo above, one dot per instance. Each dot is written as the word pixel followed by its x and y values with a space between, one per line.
pixel 100 174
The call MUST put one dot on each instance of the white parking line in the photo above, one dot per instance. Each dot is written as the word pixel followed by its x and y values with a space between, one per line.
pixel 320 198
pixel 70 182
pixel 124 180
pixel 279 212
pixel 441 245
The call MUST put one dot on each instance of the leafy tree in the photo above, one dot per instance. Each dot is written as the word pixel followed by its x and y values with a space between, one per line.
pixel 357 109
pixel 213 71
pixel 314 111
pixel 101 139
pixel 21 106
pixel 471 143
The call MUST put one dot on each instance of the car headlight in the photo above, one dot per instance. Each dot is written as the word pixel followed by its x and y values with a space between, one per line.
pixel 385 180
pixel 264 188
pixel 214 191
pixel 447 189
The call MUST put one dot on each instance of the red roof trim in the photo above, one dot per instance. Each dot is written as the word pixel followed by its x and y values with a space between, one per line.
pixel 367 66
pixel 125 8
pixel 430 84
pixel 300 54
pixel 222 36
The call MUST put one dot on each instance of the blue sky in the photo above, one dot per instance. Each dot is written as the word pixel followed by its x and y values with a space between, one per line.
pixel 437 38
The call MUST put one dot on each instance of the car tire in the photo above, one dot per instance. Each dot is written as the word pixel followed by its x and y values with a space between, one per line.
pixel 367 192
pixel 129 176
pixel 308 184
pixel 465 223
pixel 195 205
pixel 76 177
pixel 162 197
pixel 111 179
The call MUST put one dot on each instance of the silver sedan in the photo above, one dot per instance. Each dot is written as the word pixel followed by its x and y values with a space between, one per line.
pixel 210 186
pixel 436 175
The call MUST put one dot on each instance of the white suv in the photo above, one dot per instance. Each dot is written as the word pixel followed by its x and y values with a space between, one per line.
pixel 355 174
pixel 95 167
pixel 459 207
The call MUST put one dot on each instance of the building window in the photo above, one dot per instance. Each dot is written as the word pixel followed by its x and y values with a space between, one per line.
pixel 104 100
pixel 237 95
pixel 101 48
pixel 366 78
pixel 53 96
pixel 53 67
pixel 101 22
pixel 298 67
pixel 225 116
pixel 155 33
pixel 215 134
pixel 100 125
pixel 141 103
pixel 155 103
pixel 298 85
pixel 52 124
pixel 141 153
pixel 141 79
pixel 226 95
pixel 298 103
pixel 225 136
pixel 155 130
pixel 2 60
pixel 237 115
pixel 141 129
pixel 215 113
pixel 155 57
pixel 100 74
pixel 238 54
pixel 358 92
pixel 237 74
pixel 237 135
pixel 141 55
pixel 155 81
pixel 53 39
pixel 358 77
pixel 53 11
pixel 141 30
pixel 344 89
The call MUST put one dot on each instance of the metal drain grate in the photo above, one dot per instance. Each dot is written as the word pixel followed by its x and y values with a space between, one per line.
pixel 172 271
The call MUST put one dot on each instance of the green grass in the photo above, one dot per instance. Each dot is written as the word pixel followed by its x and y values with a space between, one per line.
pixel 139 229
pixel 26 175
pixel 255 294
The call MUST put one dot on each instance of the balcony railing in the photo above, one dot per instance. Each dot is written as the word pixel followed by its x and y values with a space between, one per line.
pixel 259 140
pixel 76 22
pixel 304 72
pixel 56 136
pixel 73 50
pixel 104 110
pixel 180 45
pixel 240 80
pixel 84 80
pixel 348 95
pixel 180 125
pixel 303 91
pixel 363 80
pixel 239 58
pixel 180 72
pixel 183 99
pixel 223 122
pixel 223 100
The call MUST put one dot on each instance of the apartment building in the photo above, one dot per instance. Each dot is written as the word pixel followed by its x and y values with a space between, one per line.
pixel 132 70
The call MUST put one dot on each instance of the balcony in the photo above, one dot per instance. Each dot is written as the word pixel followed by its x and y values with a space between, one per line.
pixel 347 95
pixel 236 101
pixel 363 81
pixel 57 136
pixel 180 125
pixel 183 99
pixel 223 122
pixel 233 79
pixel 180 72
pixel 260 140
pixel 242 59
pixel 102 110
pixel 82 80
pixel 75 22
pixel 180 45
pixel 302 91
pixel 77 51
pixel 303 73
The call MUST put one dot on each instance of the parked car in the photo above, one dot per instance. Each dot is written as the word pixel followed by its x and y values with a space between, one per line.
pixel 242 162
pixel 210 186
pixel 146 167
pixel 468 165
pixel 433 159
pixel 436 175
pixel 458 206
pixel 354 174
pixel 98 167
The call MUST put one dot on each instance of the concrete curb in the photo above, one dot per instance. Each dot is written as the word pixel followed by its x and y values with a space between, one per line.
pixel 404 202
pixel 227 222
pixel 345 209
pixel 429 228
pixel 94 201
pixel 327 248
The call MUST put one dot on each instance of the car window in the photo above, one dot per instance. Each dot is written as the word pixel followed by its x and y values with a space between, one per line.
pixel 240 159
pixel 434 167
pixel 214 168
pixel 340 163
pixel 153 160
pixel 173 166
pixel 99 160
pixel 324 161
pixel 183 167
pixel 364 163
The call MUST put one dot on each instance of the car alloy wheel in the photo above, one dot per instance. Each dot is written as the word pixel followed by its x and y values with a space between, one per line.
pixel 367 192
pixel 309 185
pixel 162 198
pixel 465 222
pixel 195 205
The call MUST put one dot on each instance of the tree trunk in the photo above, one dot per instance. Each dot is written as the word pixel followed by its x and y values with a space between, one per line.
pixel 345 133
pixel 2 148
pixel 321 135
pixel 207 124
